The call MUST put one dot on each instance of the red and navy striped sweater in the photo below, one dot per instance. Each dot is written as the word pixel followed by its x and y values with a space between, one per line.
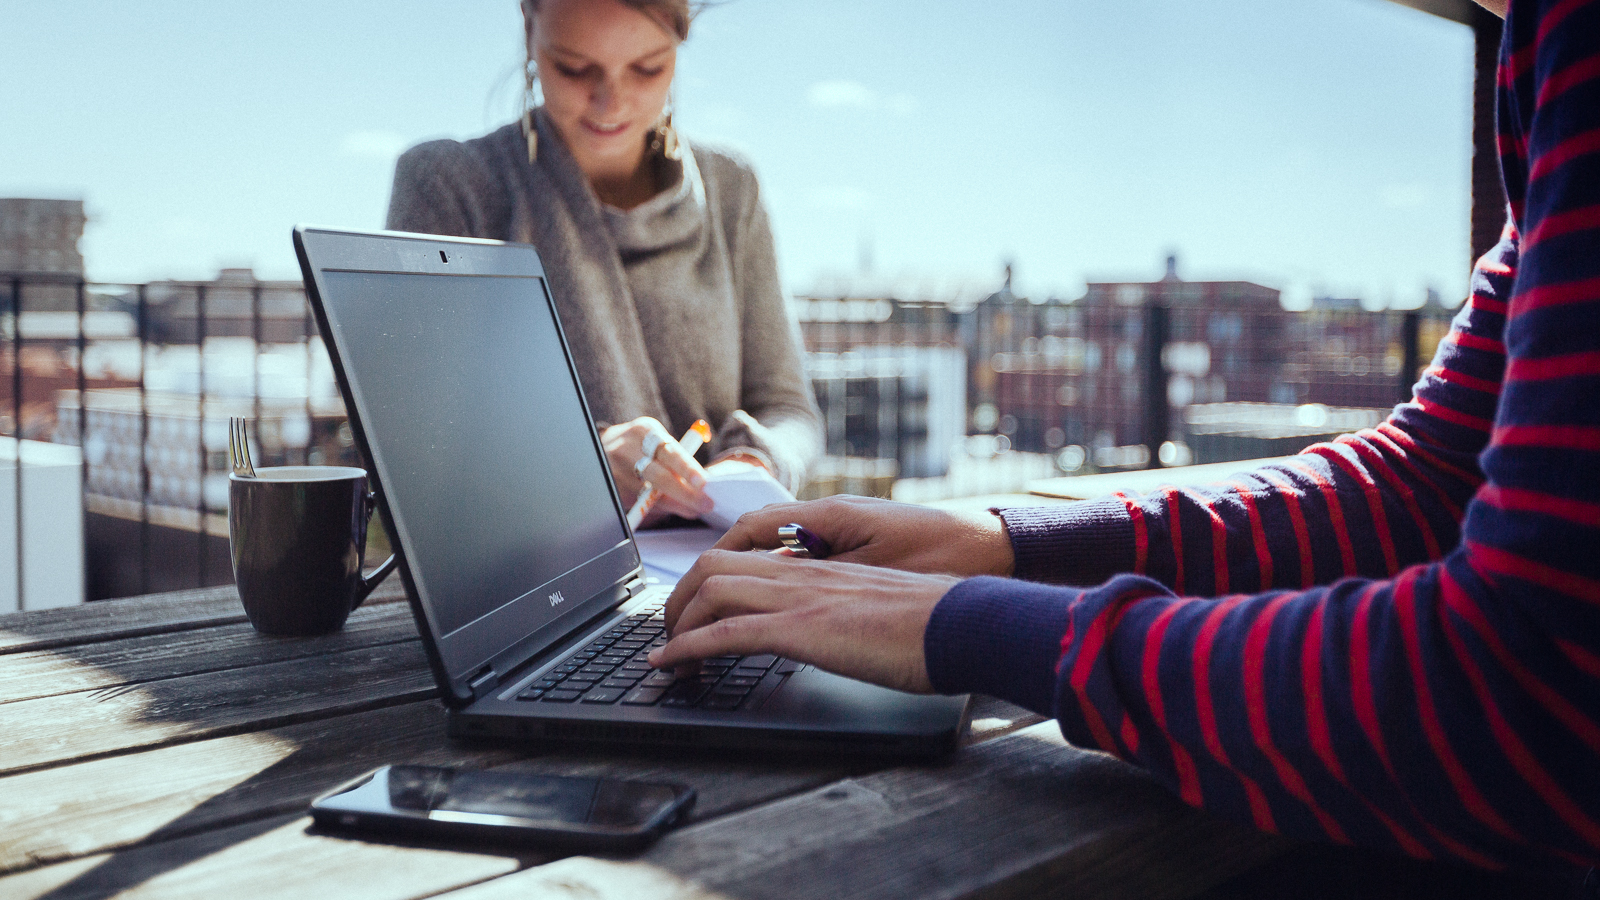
pixel 1395 639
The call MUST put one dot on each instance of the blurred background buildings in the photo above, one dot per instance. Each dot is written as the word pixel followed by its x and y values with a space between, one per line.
pixel 927 389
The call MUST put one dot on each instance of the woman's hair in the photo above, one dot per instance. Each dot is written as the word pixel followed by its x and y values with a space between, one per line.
pixel 674 14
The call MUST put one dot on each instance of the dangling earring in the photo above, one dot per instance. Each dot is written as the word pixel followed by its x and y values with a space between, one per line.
pixel 531 134
pixel 665 139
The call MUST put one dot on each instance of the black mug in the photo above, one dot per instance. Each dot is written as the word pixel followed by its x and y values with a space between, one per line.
pixel 297 534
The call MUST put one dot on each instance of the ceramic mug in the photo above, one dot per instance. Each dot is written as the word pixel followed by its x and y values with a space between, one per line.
pixel 297 534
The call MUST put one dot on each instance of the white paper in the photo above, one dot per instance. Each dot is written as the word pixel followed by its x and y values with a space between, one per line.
pixel 737 488
pixel 667 553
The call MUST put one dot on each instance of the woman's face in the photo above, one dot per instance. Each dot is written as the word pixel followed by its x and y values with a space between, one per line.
pixel 605 69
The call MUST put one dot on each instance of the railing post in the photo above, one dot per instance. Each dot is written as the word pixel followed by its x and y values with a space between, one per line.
pixel 144 442
pixel 1411 351
pixel 200 428
pixel 309 328
pixel 83 389
pixel 255 363
pixel 1157 422
pixel 16 419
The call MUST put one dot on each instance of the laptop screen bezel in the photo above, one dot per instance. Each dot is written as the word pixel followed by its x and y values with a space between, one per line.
pixel 500 641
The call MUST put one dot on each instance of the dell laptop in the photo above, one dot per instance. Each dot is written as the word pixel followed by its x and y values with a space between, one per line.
pixel 526 582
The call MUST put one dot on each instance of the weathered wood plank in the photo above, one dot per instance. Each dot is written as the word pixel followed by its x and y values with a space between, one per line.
pixel 1020 816
pixel 199 786
pixel 276 856
pixel 189 788
pixel 992 718
pixel 150 657
pixel 86 724
pixel 106 620
pixel 264 859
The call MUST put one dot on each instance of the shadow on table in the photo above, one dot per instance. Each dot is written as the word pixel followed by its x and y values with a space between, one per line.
pixel 320 749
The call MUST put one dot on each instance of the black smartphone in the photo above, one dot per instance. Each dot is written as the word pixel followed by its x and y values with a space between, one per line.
pixel 517 807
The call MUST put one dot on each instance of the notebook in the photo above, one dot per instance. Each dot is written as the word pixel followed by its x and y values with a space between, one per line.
pixel 513 543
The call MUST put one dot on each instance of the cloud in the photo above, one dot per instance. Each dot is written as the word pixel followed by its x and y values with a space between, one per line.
pixel 840 94
pixel 385 145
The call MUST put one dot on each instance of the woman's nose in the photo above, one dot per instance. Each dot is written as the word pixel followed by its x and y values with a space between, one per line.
pixel 603 96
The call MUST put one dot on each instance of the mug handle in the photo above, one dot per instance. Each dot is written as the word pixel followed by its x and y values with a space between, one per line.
pixel 369 582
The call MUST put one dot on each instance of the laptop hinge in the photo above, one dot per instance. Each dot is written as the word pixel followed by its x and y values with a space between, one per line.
pixel 635 587
pixel 483 682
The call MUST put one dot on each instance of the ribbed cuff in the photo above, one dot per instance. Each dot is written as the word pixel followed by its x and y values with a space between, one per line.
pixel 1000 637
pixel 1076 543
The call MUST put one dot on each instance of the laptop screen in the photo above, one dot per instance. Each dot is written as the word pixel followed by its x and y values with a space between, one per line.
pixel 482 442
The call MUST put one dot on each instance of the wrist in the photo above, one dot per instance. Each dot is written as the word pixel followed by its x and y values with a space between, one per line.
pixel 998 637
pixel 746 455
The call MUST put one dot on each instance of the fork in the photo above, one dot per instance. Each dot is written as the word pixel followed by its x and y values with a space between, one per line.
pixel 239 448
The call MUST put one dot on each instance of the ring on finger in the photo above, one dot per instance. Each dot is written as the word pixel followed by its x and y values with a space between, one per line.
pixel 641 465
pixel 652 442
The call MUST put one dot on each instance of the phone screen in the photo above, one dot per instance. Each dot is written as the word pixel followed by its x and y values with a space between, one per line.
pixel 510 799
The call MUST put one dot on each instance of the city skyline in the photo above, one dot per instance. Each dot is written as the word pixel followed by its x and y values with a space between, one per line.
pixel 1320 150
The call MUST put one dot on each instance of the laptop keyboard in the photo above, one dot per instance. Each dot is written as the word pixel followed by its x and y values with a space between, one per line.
pixel 612 669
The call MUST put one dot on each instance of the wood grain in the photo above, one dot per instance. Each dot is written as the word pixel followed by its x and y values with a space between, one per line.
pixel 87 724
pixel 105 804
pixel 107 620
pixel 1021 816
pixel 1025 815
pixel 154 657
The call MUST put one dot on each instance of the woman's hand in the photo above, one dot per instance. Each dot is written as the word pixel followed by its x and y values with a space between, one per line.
pixel 860 621
pixel 884 533
pixel 672 471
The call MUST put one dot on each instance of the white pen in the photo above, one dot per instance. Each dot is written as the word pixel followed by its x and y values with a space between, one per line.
pixel 698 434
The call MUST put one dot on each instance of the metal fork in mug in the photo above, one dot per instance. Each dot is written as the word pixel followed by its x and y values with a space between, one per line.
pixel 239 448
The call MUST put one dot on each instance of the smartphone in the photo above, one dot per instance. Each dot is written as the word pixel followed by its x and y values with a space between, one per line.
pixel 514 807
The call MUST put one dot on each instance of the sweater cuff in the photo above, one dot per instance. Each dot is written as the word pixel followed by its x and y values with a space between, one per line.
pixel 1000 637
pixel 1076 543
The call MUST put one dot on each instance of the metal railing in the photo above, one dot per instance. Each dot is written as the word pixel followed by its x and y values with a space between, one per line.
pixel 141 379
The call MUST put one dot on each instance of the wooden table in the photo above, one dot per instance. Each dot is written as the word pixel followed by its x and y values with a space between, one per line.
pixel 159 747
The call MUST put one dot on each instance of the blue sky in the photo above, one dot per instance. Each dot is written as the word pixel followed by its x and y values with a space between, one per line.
pixel 1318 146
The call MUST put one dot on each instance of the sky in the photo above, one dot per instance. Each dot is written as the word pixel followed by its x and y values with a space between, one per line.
pixel 1321 147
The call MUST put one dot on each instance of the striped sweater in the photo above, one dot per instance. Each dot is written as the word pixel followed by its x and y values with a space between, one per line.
pixel 1393 640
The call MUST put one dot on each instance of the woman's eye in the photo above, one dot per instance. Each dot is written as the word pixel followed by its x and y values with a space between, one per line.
pixel 569 72
pixel 651 73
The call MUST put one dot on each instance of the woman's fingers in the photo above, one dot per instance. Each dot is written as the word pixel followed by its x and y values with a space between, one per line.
pixel 641 451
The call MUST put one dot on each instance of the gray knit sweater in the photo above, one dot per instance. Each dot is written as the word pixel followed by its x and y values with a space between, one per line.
pixel 673 309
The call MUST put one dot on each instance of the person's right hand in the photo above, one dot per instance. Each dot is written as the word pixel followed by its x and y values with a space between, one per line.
pixel 675 473
pixel 884 533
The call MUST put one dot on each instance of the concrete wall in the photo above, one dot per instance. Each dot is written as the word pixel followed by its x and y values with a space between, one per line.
pixel 52 526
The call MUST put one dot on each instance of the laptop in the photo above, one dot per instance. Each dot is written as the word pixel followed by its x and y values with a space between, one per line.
pixel 527 585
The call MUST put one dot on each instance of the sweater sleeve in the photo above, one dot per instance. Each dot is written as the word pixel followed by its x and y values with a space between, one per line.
pixel 1447 708
pixel 780 414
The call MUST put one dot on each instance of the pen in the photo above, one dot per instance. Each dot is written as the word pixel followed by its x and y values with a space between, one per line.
pixel 698 434
pixel 802 543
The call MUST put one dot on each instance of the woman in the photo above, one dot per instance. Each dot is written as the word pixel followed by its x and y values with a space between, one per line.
pixel 659 254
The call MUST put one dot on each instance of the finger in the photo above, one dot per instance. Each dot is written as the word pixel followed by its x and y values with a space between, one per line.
pixel 682 466
pixel 739 636
pixel 666 506
pixel 621 462
pixel 667 482
pixel 711 563
pixel 726 596
pixel 758 530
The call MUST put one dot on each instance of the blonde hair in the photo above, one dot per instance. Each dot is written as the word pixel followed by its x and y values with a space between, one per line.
pixel 674 15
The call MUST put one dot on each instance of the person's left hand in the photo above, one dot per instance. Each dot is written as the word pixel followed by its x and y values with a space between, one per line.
pixel 860 621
